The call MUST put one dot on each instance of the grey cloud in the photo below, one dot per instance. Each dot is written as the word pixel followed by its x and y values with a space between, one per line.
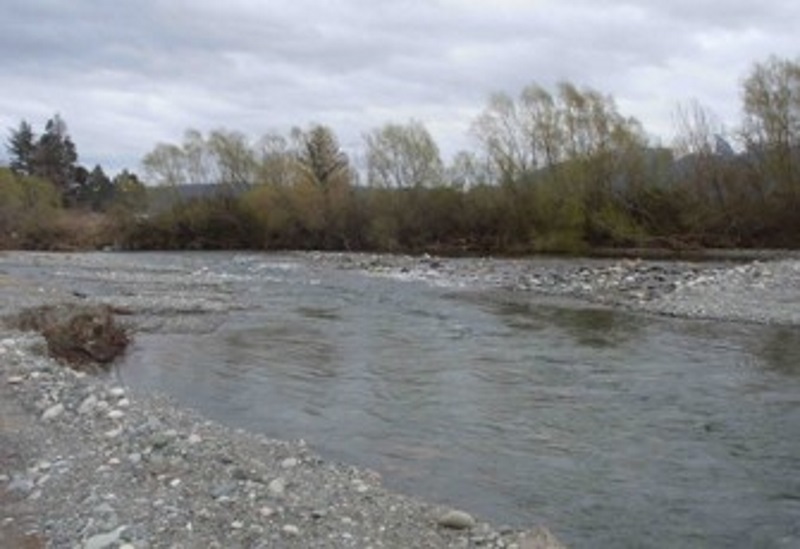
pixel 128 74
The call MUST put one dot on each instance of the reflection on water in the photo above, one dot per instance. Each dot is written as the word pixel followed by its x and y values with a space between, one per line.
pixel 589 326
pixel 780 351
pixel 614 429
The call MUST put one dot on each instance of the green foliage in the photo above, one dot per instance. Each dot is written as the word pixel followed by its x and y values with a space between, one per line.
pixel 559 170
pixel 26 205
pixel 22 148
pixel 403 156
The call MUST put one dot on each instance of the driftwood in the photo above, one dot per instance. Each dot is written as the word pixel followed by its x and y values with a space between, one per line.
pixel 84 336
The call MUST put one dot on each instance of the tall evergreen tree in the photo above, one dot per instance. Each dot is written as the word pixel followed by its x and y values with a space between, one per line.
pixel 55 158
pixel 22 148
pixel 321 156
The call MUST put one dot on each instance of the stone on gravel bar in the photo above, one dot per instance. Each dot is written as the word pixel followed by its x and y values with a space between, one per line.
pixel 101 541
pixel 53 412
pixel 88 405
pixel 457 520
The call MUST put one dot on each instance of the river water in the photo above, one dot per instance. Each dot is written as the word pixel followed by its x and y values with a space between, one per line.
pixel 613 429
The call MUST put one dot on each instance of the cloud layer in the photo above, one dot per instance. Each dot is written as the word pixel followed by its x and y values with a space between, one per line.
pixel 126 75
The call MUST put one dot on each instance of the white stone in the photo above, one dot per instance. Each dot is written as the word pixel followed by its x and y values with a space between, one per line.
pixel 15 380
pixel 237 525
pixel 53 412
pixel 266 512
pixel 288 463
pixel 194 438
pixel 117 392
pixel 277 487
pixel 291 530
pixel 88 405
pixel 458 520
pixel 101 541
pixel 116 414
pixel 123 403
pixel 175 482
pixel 113 433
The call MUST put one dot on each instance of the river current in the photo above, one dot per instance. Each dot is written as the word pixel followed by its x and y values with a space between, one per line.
pixel 613 429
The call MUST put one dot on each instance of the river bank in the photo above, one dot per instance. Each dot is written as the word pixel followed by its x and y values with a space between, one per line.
pixel 86 462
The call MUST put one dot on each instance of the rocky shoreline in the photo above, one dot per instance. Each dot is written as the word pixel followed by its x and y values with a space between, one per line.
pixel 84 463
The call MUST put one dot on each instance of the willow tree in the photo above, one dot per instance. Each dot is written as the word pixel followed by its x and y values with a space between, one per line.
pixel 403 156
pixel 771 128
pixel 566 155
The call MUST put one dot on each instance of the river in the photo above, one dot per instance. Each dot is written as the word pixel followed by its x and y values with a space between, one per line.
pixel 612 428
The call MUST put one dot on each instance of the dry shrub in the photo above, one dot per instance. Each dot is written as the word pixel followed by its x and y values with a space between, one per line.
pixel 68 230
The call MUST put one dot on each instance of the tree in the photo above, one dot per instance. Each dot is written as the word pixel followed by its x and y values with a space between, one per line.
pixel 403 156
pixel 166 165
pixel 234 158
pixel 468 170
pixel 95 192
pixel 771 128
pixel 500 132
pixel 55 157
pixel 196 157
pixel 130 194
pixel 320 156
pixel 277 164
pixel 22 148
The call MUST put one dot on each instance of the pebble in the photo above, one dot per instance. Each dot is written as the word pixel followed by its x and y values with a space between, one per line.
pixel 277 487
pixel 101 541
pixel 15 380
pixel 123 403
pixel 289 463
pixel 116 414
pixel 53 412
pixel 457 520
pixel 266 512
pixel 21 485
pixel 117 392
pixel 88 405
pixel 194 438
pixel 113 433
pixel 291 530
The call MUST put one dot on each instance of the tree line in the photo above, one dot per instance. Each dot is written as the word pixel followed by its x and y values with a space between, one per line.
pixel 555 169
pixel 49 200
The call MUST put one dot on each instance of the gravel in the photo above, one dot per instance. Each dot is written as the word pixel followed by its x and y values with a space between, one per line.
pixel 85 463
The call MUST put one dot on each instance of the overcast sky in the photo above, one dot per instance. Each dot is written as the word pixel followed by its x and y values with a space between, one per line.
pixel 127 75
